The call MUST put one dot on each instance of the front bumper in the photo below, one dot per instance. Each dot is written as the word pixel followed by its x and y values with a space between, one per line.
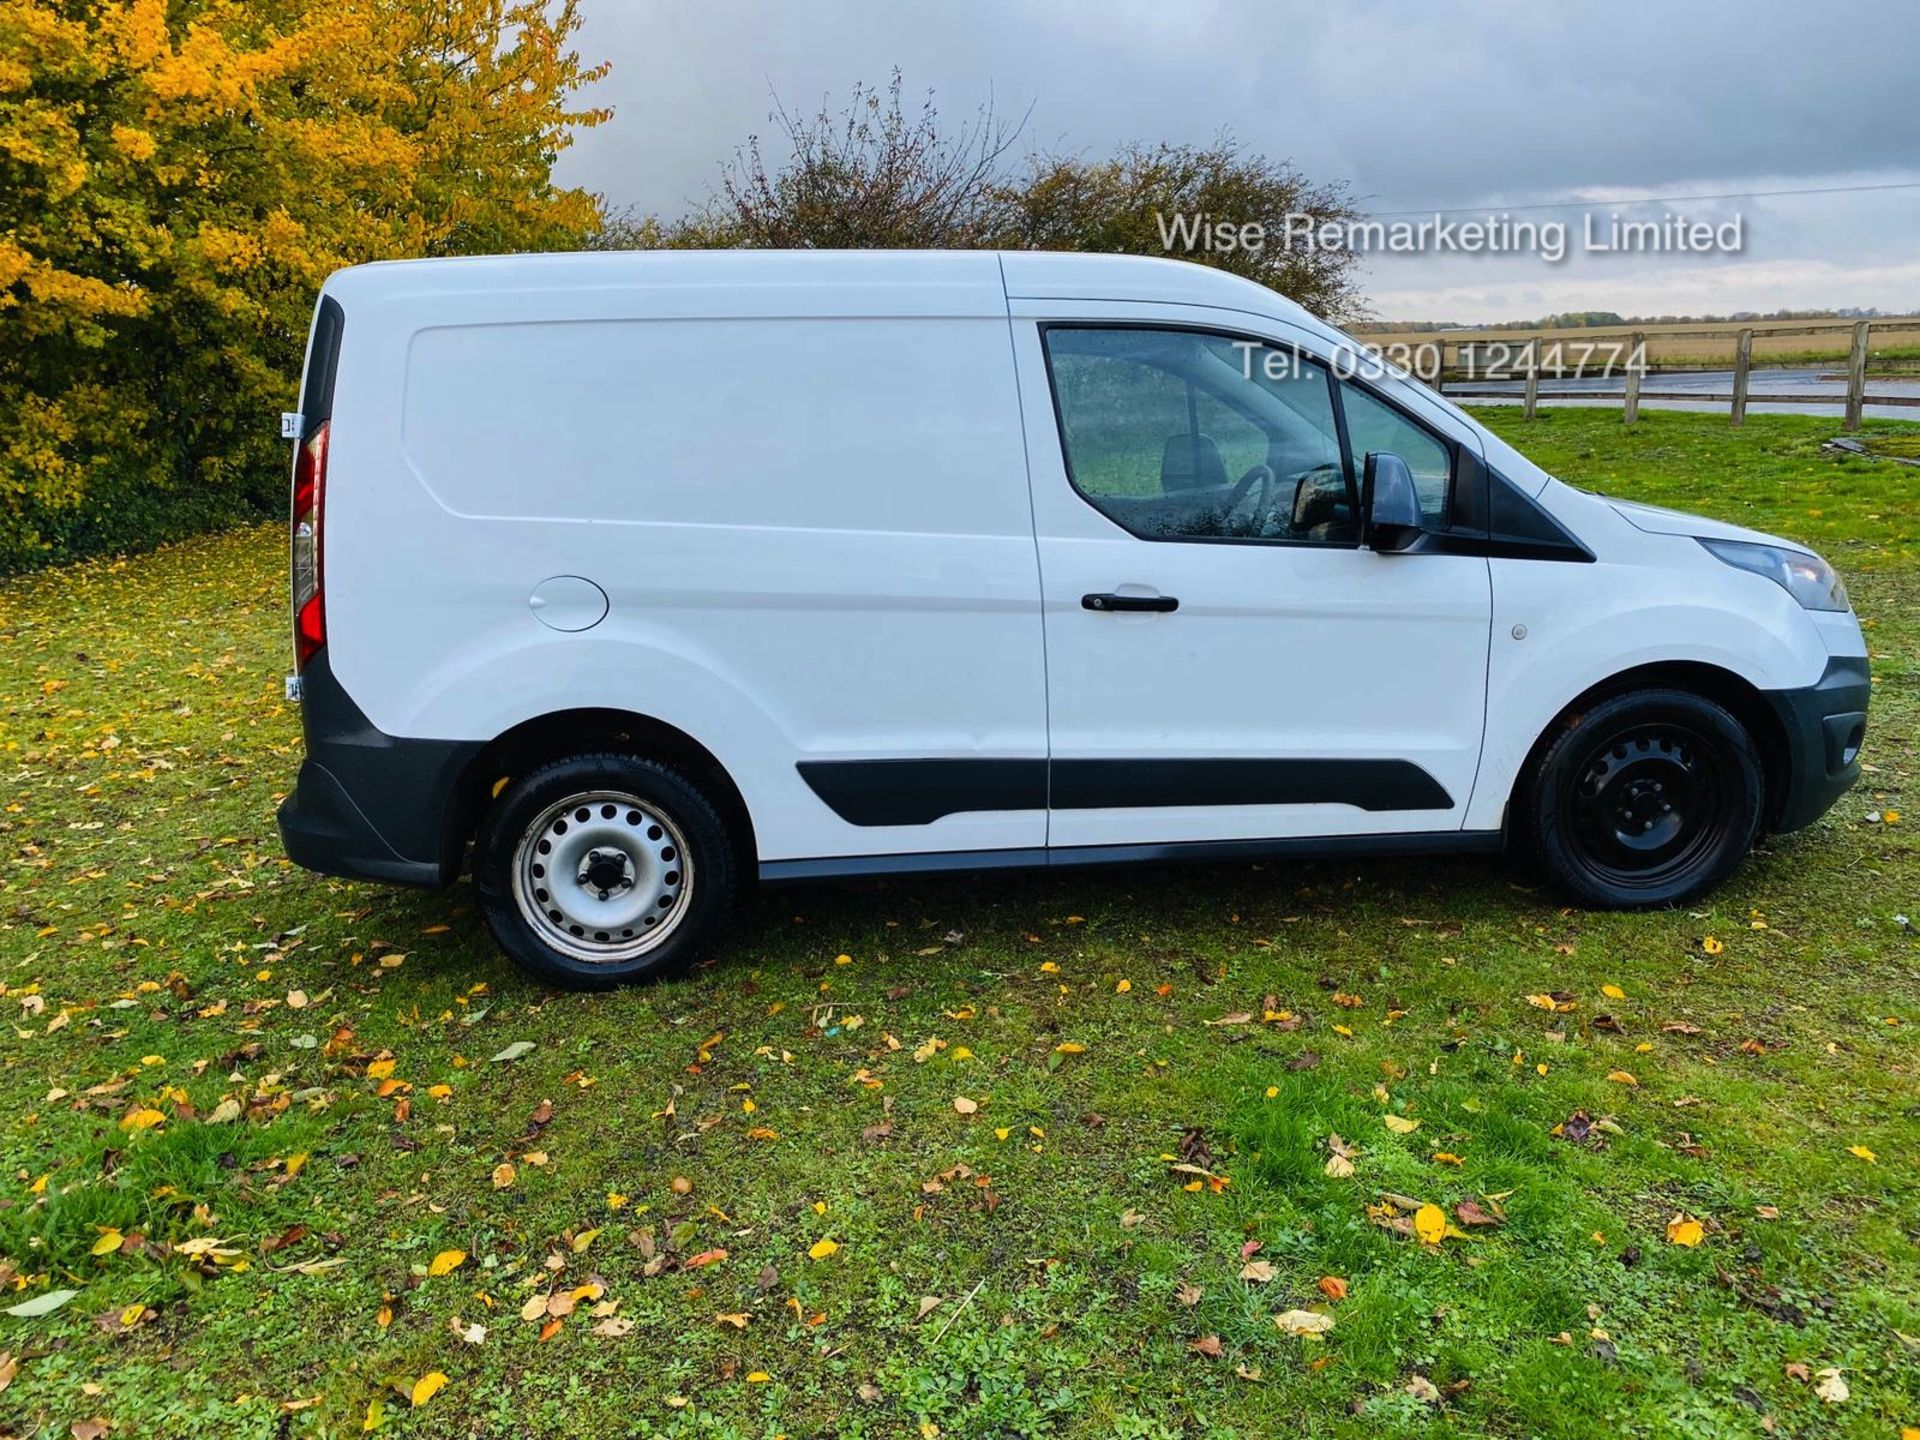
pixel 1825 724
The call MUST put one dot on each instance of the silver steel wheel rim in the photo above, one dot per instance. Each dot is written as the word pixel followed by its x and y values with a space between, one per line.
pixel 603 877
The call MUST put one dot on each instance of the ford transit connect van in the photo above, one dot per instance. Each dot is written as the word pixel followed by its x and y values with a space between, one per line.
pixel 625 579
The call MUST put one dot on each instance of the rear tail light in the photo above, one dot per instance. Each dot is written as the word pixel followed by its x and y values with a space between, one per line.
pixel 309 599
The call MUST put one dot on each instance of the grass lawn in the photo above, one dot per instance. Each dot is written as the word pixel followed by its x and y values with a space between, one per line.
pixel 970 1157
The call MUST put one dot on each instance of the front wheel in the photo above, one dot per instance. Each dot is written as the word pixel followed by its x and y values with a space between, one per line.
pixel 1648 799
pixel 598 870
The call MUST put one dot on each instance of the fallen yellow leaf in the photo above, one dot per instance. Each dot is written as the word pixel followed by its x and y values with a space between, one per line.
pixel 1430 1224
pixel 1613 992
pixel 1861 1151
pixel 141 1119
pixel 1303 1322
pixel 1621 1077
pixel 1684 1230
pixel 1399 1124
pixel 428 1386
pixel 821 1249
pixel 108 1242
pixel 445 1263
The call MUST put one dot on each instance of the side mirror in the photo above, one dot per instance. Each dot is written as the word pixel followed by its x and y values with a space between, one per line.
pixel 1389 505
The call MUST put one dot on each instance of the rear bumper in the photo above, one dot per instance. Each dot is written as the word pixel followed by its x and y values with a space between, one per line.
pixel 1825 725
pixel 368 805
pixel 322 829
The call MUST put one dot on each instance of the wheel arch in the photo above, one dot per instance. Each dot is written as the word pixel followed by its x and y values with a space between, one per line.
pixel 546 737
pixel 1737 695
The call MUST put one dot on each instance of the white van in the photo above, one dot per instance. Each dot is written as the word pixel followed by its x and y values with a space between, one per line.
pixel 651 574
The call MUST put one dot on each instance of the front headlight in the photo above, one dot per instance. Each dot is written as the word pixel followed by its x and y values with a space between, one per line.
pixel 1806 577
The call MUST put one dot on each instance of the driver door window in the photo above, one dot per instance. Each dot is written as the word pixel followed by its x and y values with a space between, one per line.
pixel 1180 435
pixel 1373 425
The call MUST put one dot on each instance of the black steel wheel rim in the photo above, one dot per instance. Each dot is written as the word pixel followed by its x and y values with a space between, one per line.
pixel 1650 802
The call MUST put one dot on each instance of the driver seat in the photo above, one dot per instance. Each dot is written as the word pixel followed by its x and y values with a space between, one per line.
pixel 1191 462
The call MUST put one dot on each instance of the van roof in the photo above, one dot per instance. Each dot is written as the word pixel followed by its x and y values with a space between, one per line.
pixel 881 282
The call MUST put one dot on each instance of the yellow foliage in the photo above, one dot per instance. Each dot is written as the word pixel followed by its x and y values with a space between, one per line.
pixel 182 179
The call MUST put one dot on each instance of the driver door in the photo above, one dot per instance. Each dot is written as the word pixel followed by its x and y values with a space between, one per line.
pixel 1224 662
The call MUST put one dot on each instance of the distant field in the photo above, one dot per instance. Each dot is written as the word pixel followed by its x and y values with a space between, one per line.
pixel 1681 347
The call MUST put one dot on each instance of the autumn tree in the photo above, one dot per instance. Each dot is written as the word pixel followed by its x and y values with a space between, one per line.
pixel 874 175
pixel 1147 200
pixel 176 181
pixel 870 177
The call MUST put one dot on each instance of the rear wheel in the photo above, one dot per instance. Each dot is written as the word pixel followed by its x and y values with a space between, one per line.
pixel 1648 799
pixel 598 870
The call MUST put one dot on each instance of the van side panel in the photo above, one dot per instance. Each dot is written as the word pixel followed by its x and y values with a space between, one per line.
pixel 813 531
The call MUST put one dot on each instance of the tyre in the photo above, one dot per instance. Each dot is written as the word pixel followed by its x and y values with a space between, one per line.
pixel 1648 799
pixel 600 870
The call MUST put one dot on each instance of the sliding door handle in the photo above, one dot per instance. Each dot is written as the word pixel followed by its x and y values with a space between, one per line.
pixel 1160 604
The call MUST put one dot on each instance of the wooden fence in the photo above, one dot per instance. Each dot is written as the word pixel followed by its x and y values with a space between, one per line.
pixel 1467 351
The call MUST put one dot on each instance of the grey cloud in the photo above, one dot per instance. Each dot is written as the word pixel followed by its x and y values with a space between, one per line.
pixel 1411 104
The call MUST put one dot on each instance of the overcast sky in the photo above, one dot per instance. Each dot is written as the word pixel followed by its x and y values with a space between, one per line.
pixel 1478 105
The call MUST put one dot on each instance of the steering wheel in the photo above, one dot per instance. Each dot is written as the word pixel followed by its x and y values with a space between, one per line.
pixel 1261 511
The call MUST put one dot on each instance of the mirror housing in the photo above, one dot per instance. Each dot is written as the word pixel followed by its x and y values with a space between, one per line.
pixel 1389 505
